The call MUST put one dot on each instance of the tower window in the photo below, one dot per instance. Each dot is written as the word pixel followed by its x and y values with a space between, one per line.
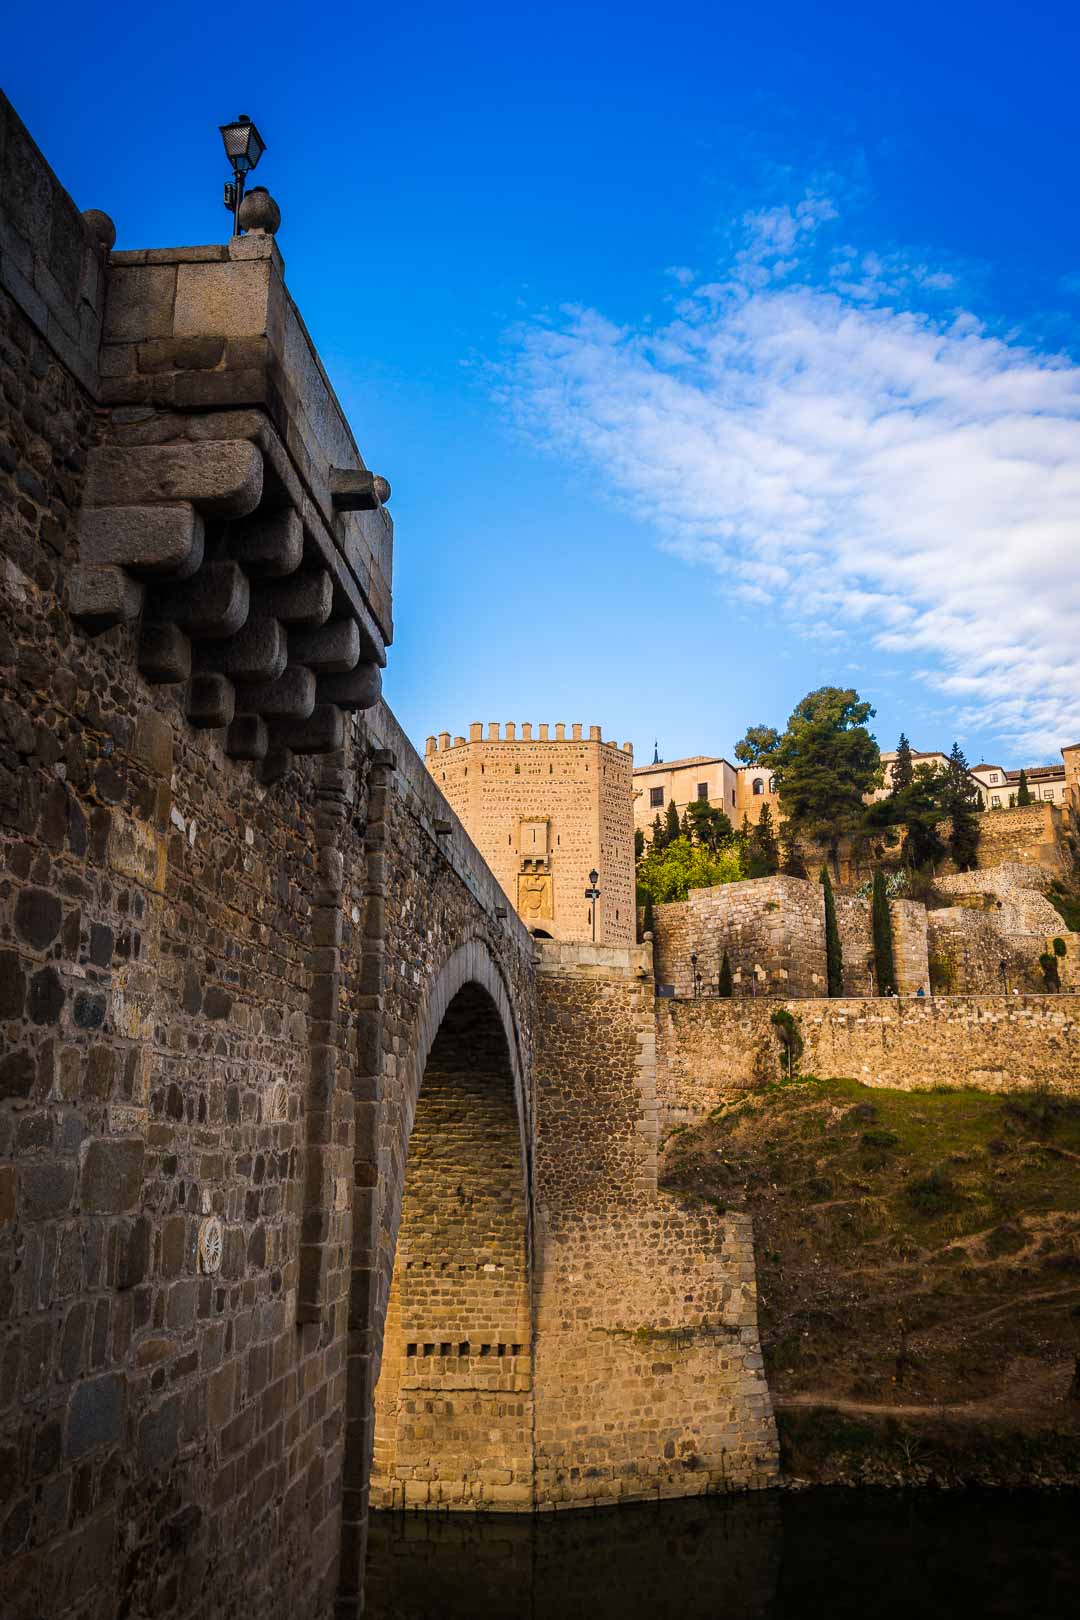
pixel 759 786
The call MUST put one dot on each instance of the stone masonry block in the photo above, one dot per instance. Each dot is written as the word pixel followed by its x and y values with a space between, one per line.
pixel 304 599
pixel 166 539
pixel 140 303
pixel 95 1414
pixel 247 738
pixel 331 649
pixel 164 653
pixel 211 701
pixel 290 697
pixel 213 605
pixel 321 733
pixel 101 598
pixel 110 1179
pixel 258 652
pixel 268 544
pixel 223 478
pixel 361 688
pixel 223 300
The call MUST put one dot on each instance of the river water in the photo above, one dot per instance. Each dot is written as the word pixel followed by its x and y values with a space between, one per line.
pixel 840 1554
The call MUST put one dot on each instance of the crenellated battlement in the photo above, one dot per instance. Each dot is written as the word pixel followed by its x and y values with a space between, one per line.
pixel 511 732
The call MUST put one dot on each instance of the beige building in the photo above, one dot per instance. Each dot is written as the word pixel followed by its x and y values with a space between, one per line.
pixel 737 790
pixel 999 786
pixel 545 811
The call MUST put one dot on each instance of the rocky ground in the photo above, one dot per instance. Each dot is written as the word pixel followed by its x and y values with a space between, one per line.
pixel 919 1275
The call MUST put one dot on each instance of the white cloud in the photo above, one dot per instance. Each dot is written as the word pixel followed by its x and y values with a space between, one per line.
pixel 914 478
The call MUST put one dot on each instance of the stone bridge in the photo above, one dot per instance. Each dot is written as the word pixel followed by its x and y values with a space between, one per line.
pixel 321 1182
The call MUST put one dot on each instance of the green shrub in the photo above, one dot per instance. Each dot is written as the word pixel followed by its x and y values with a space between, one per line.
pixel 1049 964
pixel 933 1194
pixel 1060 948
pixel 791 1042
pixel 880 1139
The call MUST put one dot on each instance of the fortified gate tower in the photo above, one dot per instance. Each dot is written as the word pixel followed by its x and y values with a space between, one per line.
pixel 545 812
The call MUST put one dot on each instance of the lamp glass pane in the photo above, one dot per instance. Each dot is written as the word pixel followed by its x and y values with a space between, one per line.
pixel 255 146
pixel 236 138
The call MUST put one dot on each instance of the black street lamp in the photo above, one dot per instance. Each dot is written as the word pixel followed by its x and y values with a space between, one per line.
pixel 592 894
pixel 693 964
pixel 244 146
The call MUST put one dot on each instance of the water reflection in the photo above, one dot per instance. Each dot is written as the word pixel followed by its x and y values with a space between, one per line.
pixel 841 1554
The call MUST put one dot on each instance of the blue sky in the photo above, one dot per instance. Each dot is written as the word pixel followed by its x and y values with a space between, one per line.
pixel 714 352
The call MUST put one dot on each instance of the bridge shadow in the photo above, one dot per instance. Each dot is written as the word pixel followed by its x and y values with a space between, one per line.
pixel 453 1401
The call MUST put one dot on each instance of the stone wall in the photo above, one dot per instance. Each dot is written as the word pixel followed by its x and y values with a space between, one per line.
pixel 707 1050
pixel 773 930
pixel 649 1376
pixel 1032 834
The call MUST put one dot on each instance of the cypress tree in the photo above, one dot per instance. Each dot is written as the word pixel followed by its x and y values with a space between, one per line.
pixel 883 942
pixel 724 985
pixel 1023 792
pixel 764 851
pixel 671 824
pixel 658 841
pixel 639 844
pixel 903 771
pixel 834 958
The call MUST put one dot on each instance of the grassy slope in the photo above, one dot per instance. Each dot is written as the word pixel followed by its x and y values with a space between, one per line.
pixel 919 1273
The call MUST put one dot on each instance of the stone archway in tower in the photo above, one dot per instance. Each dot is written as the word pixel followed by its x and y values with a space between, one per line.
pixel 453 1402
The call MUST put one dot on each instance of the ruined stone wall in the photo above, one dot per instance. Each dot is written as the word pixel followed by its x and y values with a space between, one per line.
pixel 773 930
pixel 708 1049
pixel 649 1376
pixel 544 812
pixel 1032 834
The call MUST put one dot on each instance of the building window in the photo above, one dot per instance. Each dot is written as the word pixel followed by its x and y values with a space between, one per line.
pixel 759 786
pixel 656 798
pixel 995 800
pixel 703 790
pixel 994 777
pixel 772 784
pixel 733 798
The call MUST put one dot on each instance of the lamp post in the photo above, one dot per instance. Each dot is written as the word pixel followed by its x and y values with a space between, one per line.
pixel 693 964
pixel 244 146
pixel 592 894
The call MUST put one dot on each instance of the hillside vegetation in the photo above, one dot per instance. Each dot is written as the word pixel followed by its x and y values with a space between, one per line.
pixel 919 1274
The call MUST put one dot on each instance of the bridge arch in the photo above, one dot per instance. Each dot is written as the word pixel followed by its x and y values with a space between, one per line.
pixel 452 1402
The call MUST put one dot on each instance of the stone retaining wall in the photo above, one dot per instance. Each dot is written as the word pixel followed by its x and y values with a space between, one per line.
pixel 706 1050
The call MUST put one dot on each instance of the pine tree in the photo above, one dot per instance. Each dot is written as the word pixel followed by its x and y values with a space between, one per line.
pixel 903 769
pixel 1023 792
pixel 724 983
pixel 961 801
pixel 883 942
pixel 834 958
pixel 763 853
pixel 671 823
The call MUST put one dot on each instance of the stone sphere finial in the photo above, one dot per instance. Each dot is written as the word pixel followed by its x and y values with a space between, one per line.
pixel 259 213
pixel 101 227
pixel 381 490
